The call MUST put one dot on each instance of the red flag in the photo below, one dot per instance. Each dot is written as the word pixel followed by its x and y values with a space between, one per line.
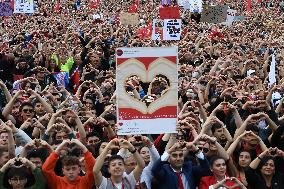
pixel 248 6
pixel 134 7
pixel 145 33
pixel 56 6
pixel 93 4
pixel 76 80
pixel 169 13
pixel 12 4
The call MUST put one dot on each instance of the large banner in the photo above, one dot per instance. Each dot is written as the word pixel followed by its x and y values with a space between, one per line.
pixel 5 8
pixel 147 88
pixel 23 6
pixel 129 18
pixel 214 14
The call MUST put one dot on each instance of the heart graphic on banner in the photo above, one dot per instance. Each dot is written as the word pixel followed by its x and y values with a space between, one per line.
pixel 147 73
pixel 153 90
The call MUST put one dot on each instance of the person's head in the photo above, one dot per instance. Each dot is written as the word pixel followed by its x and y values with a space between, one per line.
pixel 116 166
pixel 39 108
pixel 15 109
pixel 88 103
pixel 176 159
pixel 244 159
pixel 144 152
pixel 71 167
pixel 26 111
pixel 92 139
pixel 36 157
pixel 18 177
pixel 130 164
pixel 218 166
pixel 4 155
pixel 100 147
pixel 267 166
pixel 218 132
pixel 4 138
pixel 68 117
pixel 111 119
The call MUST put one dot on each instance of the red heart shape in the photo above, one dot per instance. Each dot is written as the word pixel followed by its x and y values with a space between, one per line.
pixel 120 124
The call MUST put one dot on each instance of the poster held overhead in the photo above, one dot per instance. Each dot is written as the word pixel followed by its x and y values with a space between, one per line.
pixel 156 111
pixel 5 8
pixel 23 6
pixel 214 14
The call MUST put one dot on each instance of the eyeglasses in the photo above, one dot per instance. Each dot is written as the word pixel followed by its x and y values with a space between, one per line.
pixel 28 110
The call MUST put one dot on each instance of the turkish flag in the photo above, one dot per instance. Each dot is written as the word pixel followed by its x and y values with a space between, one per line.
pixel 169 13
pixel 93 4
pixel 56 6
pixel 134 7
pixel 76 80
pixel 248 7
pixel 145 33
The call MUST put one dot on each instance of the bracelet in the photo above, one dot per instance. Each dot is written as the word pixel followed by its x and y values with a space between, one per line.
pixel 132 152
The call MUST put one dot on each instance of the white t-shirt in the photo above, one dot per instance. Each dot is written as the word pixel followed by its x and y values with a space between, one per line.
pixel 130 178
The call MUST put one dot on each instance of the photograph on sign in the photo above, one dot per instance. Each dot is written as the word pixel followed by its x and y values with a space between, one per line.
pixel 157 31
pixel 146 90
pixel 129 19
pixel 214 14
pixel 23 6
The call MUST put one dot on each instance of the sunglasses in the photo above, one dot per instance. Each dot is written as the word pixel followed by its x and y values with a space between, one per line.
pixel 205 150
pixel 28 110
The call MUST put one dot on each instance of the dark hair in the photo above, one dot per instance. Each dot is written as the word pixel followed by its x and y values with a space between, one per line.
pixel 252 127
pixel 115 157
pixel 238 156
pixel 109 117
pixel 97 147
pixel 40 153
pixel 264 160
pixel 215 158
pixel 25 104
pixel 22 172
pixel 215 127
pixel 70 160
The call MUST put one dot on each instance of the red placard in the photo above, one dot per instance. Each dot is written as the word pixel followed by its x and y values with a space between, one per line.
pixel 169 13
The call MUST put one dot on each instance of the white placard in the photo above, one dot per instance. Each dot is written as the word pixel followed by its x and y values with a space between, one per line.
pixel 231 13
pixel 172 29
pixel 195 6
pixel 23 6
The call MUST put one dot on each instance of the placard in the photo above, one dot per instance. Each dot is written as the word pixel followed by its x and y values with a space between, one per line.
pixel 139 116
pixel 129 19
pixel 195 6
pixel 214 14
pixel 5 8
pixel 172 29
pixel 23 6
pixel 169 12
pixel 231 13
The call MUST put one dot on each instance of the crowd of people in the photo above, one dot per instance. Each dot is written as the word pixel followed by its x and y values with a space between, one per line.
pixel 58 102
